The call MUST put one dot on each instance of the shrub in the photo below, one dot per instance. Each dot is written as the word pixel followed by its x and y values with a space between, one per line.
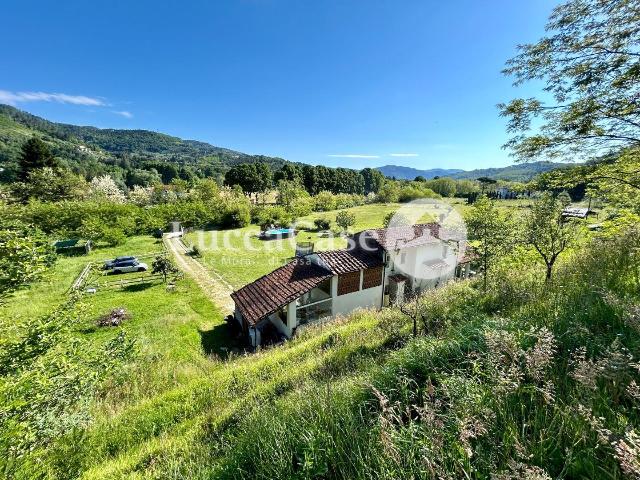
pixel 113 236
pixel 266 216
pixel 345 219
pixel 237 216
pixel 301 206
pixel 322 223
pixel 324 201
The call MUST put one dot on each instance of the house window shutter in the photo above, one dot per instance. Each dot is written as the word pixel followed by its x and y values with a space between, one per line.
pixel 348 283
pixel 372 277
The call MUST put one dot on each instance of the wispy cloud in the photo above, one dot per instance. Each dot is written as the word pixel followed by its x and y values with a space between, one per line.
pixel 352 155
pixel 405 155
pixel 13 98
pixel 123 113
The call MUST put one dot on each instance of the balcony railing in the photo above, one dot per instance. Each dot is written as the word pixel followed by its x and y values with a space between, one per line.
pixel 315 311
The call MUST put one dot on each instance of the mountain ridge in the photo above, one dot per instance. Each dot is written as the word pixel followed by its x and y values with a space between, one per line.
pixel 520 172
pixel 91 151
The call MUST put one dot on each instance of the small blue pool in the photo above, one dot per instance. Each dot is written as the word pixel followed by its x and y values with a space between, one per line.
pixel 278 233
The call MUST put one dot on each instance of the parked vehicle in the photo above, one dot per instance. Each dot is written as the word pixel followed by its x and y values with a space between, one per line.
pixel 109 264
pixel 130 266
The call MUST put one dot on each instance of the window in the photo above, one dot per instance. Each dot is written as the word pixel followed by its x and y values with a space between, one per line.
pixel 371 277
pixel 349 283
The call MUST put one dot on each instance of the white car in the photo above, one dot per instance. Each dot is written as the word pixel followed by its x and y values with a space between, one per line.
pixel 130 266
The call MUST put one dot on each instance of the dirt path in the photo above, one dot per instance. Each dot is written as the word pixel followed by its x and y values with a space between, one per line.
pixel 212 284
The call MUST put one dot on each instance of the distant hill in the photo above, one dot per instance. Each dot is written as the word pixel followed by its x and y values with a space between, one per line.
pixel 515 173
pixel 408 173
pixel 82 146
pixel 94 151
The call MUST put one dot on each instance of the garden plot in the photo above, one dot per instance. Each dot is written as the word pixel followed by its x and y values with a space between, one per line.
pixel 94 277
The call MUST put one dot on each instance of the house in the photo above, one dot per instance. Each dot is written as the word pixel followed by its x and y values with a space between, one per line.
pixel 379 267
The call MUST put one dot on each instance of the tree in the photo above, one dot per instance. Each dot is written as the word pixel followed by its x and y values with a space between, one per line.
pixel 206 190
pixel 106 189
pixel 547 232
pixel 290 172
pixel 163 264
pixel 345 219
pixel 25 255
pixel 589 63
pixel 443 186
pixel 493 232
pixel 485 182
pixel 389 192
pixel 253 178
pixel 289 191
pixel 419 178
pixel 35 154
pixel 51 185
pixel 373 180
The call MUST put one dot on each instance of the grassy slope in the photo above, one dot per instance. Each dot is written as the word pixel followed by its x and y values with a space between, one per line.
pixel 185 415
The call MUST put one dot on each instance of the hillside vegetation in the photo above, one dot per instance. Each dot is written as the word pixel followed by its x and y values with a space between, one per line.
pixel 92 151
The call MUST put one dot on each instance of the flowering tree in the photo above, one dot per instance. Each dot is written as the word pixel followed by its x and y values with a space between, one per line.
pixel 105 188
pixel 141 195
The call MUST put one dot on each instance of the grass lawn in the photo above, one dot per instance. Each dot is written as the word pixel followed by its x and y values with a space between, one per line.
pixel 175 331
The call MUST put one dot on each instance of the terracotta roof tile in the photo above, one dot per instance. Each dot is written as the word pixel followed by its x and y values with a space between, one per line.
pixel 349 260
pixel 395 238
pixel 280 287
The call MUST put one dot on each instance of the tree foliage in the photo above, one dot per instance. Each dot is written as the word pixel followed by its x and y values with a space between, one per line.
pixel 164 265
pixel 546 230
pixel 253 178
pixel 25 255
pixel 345 219
pixel 590 63
pixel 373 180
pixel 493 232
pixel 35 154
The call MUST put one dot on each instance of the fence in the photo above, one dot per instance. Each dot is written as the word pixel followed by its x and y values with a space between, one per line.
pixel 126 282
pixel 86 279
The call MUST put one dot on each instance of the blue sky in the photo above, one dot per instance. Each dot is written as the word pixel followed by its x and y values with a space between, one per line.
pixel 342 83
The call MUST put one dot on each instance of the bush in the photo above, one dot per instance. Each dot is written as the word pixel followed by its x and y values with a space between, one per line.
pixel 266 216
pixel 301 206
pixel 322 223
pixel 113 236
pixel 345 219
pixel 324 201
